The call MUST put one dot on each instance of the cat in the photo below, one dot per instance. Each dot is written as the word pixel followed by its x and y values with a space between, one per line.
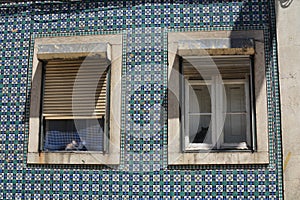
pixel 200 135
pixel 75 146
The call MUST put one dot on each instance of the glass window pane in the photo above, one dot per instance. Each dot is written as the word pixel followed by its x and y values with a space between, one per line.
pixel 235 128
pixel 199 129
pixel 235 95
pixel 199 99
pixel 75 135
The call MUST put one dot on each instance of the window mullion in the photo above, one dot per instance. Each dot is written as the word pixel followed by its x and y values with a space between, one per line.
pixel 214 113
pixel 252 101
pixel 220 113
pixel 186 93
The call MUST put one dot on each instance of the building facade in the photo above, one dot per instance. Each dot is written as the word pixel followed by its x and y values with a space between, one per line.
pixel 147 157
pixel 288 40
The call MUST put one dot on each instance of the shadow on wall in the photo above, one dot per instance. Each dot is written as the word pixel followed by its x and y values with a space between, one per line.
pixel 233 35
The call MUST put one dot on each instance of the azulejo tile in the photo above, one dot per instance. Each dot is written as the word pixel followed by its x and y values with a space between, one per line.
pixel 143 147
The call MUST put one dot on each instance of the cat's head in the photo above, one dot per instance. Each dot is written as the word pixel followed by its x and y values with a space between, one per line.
pixel 204 128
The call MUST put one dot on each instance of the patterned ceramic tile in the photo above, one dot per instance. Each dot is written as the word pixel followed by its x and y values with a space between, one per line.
pixel 143 173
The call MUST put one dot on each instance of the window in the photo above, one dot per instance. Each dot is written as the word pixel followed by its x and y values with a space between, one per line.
pixel 216 92
pixel 217 109
pixel 75 98
pixel 74 114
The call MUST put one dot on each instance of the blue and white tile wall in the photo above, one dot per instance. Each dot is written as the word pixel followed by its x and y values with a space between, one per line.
pixel 143 173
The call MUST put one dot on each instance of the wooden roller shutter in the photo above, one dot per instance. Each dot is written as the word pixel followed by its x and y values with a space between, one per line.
pixel 75 89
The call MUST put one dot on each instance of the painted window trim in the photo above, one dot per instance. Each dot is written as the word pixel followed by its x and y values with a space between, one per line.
pixel 215 91
pixel 176 155
pixel 112 52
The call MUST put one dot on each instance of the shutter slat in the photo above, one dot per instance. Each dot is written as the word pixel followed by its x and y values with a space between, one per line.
pixel 76 62
pixel 68 80
pixel 70 113
pixel 70 90
pixel 63 107
pixel 227 66
pixel 63 94
pixel 73 69
pixel 76 110
pixel 73 65
pixel 48 117
pixel 68 87
pixel 75 73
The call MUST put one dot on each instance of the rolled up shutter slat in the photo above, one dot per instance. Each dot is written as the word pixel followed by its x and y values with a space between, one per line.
pixel 227 66
pixel 75 89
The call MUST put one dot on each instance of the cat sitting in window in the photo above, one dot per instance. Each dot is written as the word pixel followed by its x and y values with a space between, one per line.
pixel 200 135
pixel 74 146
